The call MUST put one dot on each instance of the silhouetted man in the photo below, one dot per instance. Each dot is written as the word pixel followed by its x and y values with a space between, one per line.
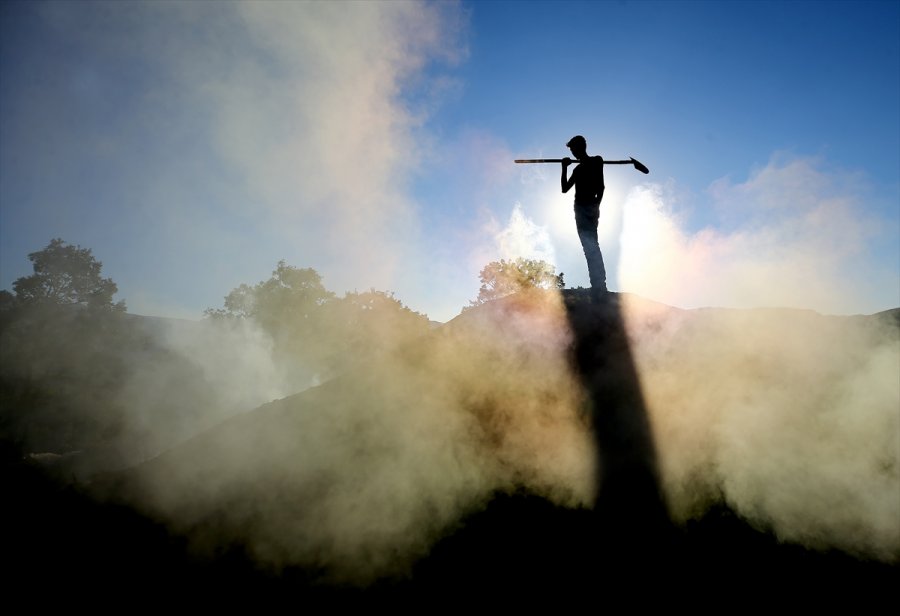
pixel 587 178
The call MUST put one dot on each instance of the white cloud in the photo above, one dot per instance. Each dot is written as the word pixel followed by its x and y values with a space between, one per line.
pixel 794 235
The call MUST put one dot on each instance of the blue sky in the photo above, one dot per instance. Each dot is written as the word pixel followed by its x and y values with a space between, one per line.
pixel 192 146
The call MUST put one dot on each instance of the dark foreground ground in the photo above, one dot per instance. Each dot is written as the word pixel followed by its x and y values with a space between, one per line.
pixel 62 549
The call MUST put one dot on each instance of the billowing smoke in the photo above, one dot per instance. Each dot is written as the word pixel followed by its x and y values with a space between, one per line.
pixel 357 478
pixel 107 391
pixel 333 174
pixel 788 416
pixel 203 373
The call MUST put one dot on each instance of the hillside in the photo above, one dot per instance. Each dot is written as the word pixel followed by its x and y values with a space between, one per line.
pixel 545 440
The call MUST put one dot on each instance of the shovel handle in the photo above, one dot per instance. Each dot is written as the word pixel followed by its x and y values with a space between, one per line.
pixel 637 164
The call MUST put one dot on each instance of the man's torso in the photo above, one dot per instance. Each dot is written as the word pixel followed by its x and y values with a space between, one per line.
pixel 588 176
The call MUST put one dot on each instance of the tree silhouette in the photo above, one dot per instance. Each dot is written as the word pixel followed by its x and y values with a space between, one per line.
pixel 66 275
pixel 366 324
pixel 313 330
pixel 65 350
pixel 291 295
pixel 502 278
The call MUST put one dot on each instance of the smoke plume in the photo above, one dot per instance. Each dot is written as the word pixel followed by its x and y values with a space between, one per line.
pixel 787 416
pixel 358 477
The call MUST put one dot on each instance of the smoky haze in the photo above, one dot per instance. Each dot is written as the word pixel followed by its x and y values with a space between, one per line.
pixel 788 417
pixel 105 391
pixel 361 475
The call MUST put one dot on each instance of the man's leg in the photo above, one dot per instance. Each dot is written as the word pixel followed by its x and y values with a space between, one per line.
pixel 586 219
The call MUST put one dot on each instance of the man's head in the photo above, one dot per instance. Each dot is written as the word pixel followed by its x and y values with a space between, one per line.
pixel 578 146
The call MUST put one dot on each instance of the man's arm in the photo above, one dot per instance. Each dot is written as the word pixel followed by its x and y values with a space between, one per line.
pixel 565 182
